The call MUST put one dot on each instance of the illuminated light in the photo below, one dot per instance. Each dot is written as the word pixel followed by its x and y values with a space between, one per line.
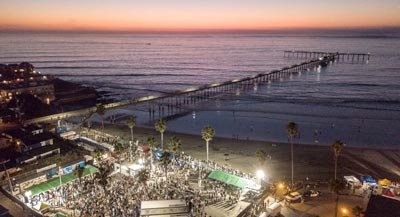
pixel 48 101
pixel 216 84
pixel 344 210
pixel 281 185
pixel 235 80
pixel 253 76
pixel 260 174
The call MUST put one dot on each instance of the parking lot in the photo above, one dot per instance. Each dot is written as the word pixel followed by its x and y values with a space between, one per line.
pixel 324 205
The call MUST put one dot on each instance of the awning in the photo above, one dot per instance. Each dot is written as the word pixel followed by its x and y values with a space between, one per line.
pixel 228 178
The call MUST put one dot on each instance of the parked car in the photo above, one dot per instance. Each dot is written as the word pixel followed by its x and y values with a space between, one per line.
pixel 294 197
pixel 312 193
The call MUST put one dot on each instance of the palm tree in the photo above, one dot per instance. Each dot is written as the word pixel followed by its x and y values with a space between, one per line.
pixel 161 126
pixel 79 172
pixel 102 176
pixel 292 131
pixel 131 124
pixel 165 161
pixel 337 147
pixel 262 156
pixel 207 134
pixel 174 144
pixel 101 111
pixel 336 186
pixel 357 210
pixel 119 149
pixel 151 142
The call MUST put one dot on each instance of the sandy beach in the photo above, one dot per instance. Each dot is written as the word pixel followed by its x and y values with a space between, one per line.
pixel 312 161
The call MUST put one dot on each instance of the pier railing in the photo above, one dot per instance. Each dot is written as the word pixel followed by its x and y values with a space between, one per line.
pixel 165 103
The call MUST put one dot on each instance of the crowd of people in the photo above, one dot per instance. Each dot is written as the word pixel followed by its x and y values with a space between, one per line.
pixel 123 193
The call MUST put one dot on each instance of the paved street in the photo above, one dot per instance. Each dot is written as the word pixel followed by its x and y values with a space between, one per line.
pixel 13 208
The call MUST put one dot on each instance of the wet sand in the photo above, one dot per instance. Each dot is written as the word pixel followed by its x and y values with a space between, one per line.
pixel 313 161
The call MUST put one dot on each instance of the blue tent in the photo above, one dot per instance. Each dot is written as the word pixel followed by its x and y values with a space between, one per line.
pixel 158 154
pixel 368 179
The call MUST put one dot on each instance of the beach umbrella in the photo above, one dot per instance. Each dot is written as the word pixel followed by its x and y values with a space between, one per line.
pixel 385 182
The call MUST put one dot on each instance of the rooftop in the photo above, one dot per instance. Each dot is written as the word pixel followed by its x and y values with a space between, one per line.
pixel 379 206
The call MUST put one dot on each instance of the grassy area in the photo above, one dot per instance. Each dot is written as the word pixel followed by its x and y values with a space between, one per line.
pixel 55 182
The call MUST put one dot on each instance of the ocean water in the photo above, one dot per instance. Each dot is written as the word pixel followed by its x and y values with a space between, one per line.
pixel 358 103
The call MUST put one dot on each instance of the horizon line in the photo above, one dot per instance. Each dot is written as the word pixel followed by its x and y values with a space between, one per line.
pixel 205 30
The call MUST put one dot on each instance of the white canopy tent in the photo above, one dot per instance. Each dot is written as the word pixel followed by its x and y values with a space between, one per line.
pixel 352 180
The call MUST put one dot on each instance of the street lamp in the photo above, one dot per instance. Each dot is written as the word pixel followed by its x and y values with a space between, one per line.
pixel 260 174
pixel 344 210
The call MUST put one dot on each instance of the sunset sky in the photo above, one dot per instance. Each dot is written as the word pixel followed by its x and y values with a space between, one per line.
pixel 126 15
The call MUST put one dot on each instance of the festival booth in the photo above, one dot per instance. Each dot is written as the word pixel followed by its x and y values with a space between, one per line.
pixel 368 181
pixel 230 179
pixel 352 180
pixel 385 185
pixel 384 182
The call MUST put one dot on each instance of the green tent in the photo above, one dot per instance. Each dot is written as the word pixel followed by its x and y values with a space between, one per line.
pixel 228 178
pixel 55 182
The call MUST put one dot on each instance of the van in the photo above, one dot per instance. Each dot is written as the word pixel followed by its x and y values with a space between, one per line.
pixel 274 209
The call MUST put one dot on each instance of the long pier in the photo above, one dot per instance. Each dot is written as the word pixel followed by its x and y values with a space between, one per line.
pixel 339 56
pixel 170 103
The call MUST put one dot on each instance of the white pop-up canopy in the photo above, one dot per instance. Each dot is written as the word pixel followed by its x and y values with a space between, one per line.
pixel 352 179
